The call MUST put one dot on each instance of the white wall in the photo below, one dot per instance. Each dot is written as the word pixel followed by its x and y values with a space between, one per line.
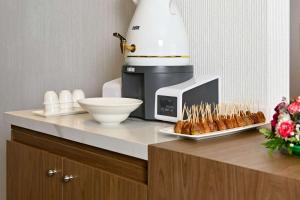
pixel 68 44
pixel 56 44
pixel 245 42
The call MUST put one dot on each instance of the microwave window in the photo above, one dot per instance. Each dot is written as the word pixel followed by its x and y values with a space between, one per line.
pixel 167 106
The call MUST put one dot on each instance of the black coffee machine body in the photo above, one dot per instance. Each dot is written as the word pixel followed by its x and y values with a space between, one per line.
pixel 141 82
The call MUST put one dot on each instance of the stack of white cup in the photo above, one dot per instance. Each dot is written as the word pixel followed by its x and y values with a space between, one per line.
pixel 64 102
pixel 77 95
pixel 51 102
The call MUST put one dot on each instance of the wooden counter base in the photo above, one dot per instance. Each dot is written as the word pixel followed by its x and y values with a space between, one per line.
pixel 43 167
pixel 230 168
pixel 122 165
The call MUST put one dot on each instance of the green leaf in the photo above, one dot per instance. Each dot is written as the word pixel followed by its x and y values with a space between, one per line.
pixel 267 133
pixel 290 150
pixel 274 144
pixel 292 140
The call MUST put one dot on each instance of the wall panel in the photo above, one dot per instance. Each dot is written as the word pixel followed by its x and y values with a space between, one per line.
pixel 245 42
pixel 55 45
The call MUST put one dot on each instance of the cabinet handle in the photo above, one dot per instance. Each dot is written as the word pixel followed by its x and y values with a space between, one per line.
pixel 51 172
pixel 68 178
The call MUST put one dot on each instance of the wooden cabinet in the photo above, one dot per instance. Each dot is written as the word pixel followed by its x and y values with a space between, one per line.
pixel 81 182
pixel 94 184
pixel 27 176
pixel 236 167
pixel 40 167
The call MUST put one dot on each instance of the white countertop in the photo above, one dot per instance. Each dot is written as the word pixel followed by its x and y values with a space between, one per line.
pixel 130 138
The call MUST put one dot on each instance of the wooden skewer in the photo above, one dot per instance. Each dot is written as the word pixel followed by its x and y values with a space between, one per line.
pixel 183 112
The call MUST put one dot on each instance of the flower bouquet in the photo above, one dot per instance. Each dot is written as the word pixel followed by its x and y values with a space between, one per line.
pixel 285 132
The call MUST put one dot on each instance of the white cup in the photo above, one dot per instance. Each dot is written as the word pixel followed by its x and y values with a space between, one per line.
pixel 51 108
pixel 50 97
pixel 51 102
pixel 66 107
pixel 65 96
pixel 77 95
pixel 65 100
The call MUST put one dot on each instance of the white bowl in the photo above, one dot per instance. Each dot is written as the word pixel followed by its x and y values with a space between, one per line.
pixel 110 111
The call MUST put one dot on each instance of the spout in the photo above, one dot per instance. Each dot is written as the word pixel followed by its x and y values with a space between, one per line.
pixel 122 41
pixel 123 44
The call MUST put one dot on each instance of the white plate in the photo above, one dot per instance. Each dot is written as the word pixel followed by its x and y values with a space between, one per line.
pixel 74 111
pixel 170 131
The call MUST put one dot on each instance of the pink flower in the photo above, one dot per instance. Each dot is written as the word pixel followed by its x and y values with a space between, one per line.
pixel 286 128
pixel 281 105
pixel 273 123
pixel 275 116
pixel 278 107
pixel 294 107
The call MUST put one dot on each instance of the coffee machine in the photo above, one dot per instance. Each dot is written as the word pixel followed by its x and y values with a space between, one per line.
pixel 156 54
pixel 142 82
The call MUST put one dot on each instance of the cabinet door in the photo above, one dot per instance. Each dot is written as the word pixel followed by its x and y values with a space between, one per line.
pixel 27 173
pixel 89 183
